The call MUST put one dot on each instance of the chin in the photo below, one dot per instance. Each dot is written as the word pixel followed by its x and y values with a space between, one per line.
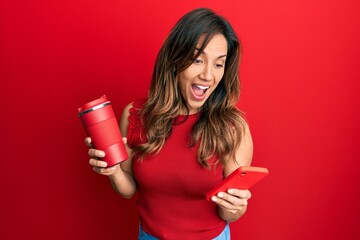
pixel 194 106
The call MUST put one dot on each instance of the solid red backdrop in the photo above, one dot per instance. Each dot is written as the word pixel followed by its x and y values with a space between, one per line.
pixel 300 75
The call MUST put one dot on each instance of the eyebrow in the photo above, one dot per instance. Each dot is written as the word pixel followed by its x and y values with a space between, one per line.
pixel 221 56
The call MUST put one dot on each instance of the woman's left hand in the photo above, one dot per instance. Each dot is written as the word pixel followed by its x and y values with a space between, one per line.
pixel 233 201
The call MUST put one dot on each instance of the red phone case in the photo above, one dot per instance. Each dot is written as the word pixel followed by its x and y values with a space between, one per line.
pixel 242 178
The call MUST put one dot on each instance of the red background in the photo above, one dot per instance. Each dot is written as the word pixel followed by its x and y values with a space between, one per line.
pixel 300 74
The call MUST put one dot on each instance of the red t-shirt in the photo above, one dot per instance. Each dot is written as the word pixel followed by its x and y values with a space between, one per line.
pixel 172 185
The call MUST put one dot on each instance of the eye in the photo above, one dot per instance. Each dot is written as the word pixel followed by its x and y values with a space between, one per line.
pixel 198 61
pixel 219 65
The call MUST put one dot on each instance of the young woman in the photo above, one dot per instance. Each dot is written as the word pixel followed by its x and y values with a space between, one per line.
pixel 186 136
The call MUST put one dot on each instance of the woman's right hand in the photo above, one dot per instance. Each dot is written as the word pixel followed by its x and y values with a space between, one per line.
pixel 99 166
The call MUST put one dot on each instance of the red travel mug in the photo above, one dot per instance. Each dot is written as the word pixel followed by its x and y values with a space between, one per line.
pixel 102 127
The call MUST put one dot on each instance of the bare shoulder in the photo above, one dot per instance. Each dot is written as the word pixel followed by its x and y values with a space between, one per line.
pixel 244 153
pixel 124 120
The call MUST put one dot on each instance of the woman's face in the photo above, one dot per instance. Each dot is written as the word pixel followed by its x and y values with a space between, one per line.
pixel 201 78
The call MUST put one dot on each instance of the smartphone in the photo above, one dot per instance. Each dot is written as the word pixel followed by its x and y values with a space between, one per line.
pixel 242 178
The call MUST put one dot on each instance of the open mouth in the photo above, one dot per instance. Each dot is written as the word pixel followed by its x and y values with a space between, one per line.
pixel 199 90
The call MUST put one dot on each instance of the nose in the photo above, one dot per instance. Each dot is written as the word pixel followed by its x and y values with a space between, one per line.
pixel 207 73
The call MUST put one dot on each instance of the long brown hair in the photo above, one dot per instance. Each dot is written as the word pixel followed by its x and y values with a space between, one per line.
pixel 220 127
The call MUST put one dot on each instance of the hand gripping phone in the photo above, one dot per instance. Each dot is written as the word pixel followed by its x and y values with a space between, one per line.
pixel 242 178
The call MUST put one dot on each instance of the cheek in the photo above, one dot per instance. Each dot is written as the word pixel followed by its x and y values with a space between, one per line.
pixel 220 75
pixel 218 78
pixel 183 85
pixel 184 80
pixel 183 88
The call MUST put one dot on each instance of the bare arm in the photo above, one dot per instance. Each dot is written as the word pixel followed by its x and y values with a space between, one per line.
pixel 120 175
pixel 233 204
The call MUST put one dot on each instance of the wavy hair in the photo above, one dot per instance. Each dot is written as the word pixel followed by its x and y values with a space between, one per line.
pixel 219 130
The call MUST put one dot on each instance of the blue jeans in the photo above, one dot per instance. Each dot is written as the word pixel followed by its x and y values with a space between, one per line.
pixel 224 235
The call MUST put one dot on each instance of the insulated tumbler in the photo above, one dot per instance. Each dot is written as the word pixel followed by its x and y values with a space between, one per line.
pixel 102 127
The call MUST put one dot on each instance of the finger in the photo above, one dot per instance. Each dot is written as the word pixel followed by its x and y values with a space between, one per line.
pixel 97 163
pixel 234 200
pixel 124 140
pixel 96 153
pixel 227 206
pixel 88 141
pixel 243 194
pixel 105 171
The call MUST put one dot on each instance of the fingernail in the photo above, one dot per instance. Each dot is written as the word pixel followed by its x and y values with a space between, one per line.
pixel 103 164
pixel 101 154
pixel 231 191
pixel 220 195
pixel 213 199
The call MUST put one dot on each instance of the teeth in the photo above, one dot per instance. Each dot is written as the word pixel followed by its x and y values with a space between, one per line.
pixel 201 87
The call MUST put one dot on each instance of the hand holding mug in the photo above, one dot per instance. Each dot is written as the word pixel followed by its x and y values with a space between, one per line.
pixel 100 166
pixel 102 127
